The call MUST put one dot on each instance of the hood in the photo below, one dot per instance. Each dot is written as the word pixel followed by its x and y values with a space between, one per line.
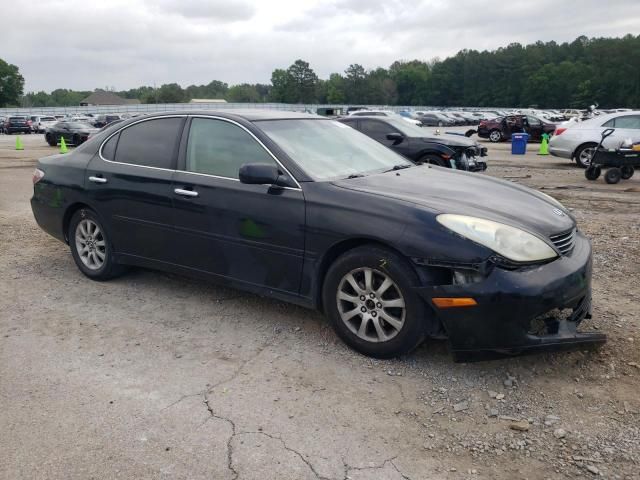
pixel 451 139
pixel 442 190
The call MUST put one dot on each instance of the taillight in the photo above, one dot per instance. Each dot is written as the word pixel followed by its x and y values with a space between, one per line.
pixel 29 122
pixel 482 123
pixel 559 130
pixel 37 175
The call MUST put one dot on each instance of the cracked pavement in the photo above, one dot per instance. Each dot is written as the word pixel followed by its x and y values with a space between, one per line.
pixel 156 376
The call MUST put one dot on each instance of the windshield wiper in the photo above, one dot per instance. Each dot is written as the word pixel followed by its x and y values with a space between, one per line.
pixel 355 175
pixel 400 166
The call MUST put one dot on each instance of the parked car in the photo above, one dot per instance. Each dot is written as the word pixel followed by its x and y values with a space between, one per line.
pixel 501 128
pixel 73 132
pixel 418 146
pixel 102 120
pixel 578 141
pixel 384 113
pixel 313 212
pixel 39 123
pixel 17 124
pixel 434 119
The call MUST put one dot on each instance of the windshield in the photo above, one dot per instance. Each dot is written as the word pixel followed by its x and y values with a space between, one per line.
pixel 78 125
pixel 47 119
pixel 326 149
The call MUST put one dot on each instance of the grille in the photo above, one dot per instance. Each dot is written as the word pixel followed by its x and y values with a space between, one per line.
pixel 564 242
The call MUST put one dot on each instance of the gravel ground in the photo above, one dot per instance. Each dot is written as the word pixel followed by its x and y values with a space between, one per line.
pixel 157 376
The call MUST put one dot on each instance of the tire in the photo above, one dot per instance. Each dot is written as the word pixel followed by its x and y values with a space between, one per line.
pixel 81 233
pixel 433 159
pixel 584 153
pixel 627 172
pixel 613 175
pixel 439 124
pixel 495 136
pixel 75 139
pixel 593 172
pixel 402 327
pixel 50 140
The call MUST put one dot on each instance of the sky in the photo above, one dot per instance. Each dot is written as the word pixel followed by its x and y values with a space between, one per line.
pixel 121 44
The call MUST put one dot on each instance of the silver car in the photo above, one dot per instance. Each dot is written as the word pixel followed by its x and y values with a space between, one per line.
pixel 580 140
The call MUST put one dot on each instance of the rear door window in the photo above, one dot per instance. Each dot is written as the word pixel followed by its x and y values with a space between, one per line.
pixel 109 148
pixel 628 121
pixel 152 143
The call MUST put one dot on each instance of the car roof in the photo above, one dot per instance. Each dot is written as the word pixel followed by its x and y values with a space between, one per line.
pixel 247 114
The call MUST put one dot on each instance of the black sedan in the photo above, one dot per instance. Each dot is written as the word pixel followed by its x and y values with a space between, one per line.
pixel 307 210
pixel 415 143
pixel 73 132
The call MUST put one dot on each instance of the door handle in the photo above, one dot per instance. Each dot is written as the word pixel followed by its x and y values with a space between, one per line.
pixel 186 193
pixel 98 179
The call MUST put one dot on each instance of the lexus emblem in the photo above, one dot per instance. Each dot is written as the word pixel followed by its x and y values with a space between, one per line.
pixel 558 212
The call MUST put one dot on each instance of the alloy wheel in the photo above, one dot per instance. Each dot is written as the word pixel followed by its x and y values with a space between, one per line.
pixel 495 136
pixel 586 155
pixel 371 305
pixel 90 244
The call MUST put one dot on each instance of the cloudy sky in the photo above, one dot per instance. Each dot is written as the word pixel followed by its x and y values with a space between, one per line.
pixel 82 44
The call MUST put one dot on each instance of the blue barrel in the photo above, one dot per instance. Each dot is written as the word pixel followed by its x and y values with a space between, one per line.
pixel 519 143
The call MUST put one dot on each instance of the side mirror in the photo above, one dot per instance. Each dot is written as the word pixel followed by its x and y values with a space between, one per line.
pixel 395 137
pixel 259 174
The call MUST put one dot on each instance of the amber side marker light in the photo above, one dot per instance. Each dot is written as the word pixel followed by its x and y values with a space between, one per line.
pixel 452 302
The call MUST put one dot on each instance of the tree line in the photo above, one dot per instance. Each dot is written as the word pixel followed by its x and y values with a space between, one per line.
pixel 542 74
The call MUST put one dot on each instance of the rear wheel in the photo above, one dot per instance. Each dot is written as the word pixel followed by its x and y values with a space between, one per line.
pixel 369 301
pixel 627 172
pixel 613 175
pixel 593 172
pixel 495 136
pixel 584 154
pixel 75 139
pixel 90 246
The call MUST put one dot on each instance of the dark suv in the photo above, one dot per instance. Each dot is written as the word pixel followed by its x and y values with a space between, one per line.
pixel 501 128
pixel 103 120
pixel 17 125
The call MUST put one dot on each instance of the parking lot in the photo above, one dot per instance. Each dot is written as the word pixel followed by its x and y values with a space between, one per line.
pixel 157 376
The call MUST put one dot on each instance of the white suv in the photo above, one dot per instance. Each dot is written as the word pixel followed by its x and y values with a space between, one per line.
pixel 580 140
pixel 39 123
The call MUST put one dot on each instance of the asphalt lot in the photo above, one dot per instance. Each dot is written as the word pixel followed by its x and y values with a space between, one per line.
pixel 157 376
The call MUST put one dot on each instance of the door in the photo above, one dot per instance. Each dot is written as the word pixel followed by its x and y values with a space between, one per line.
pixel 129 184
pixel 252 234
pixel 533 126
pixel 379 129
pixel 626 127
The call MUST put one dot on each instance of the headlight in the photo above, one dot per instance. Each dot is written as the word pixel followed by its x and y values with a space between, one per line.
pixel 510 242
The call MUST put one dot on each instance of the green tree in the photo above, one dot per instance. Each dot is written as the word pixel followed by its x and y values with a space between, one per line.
pixel 280 86
pixel 301 82
pixel 335 89
pixel 243 93
pixel 11 84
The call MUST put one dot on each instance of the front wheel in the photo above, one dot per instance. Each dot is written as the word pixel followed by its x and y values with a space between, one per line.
pixel 593 172
pixel 90 246
pixel 51 139
pixel 495 136
pixel 368 299
pixel 433 160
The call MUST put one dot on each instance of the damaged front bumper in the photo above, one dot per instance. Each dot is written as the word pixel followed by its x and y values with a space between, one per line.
pixel 520 310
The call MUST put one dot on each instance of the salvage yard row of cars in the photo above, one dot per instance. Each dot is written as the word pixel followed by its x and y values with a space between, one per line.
pixel 320 213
